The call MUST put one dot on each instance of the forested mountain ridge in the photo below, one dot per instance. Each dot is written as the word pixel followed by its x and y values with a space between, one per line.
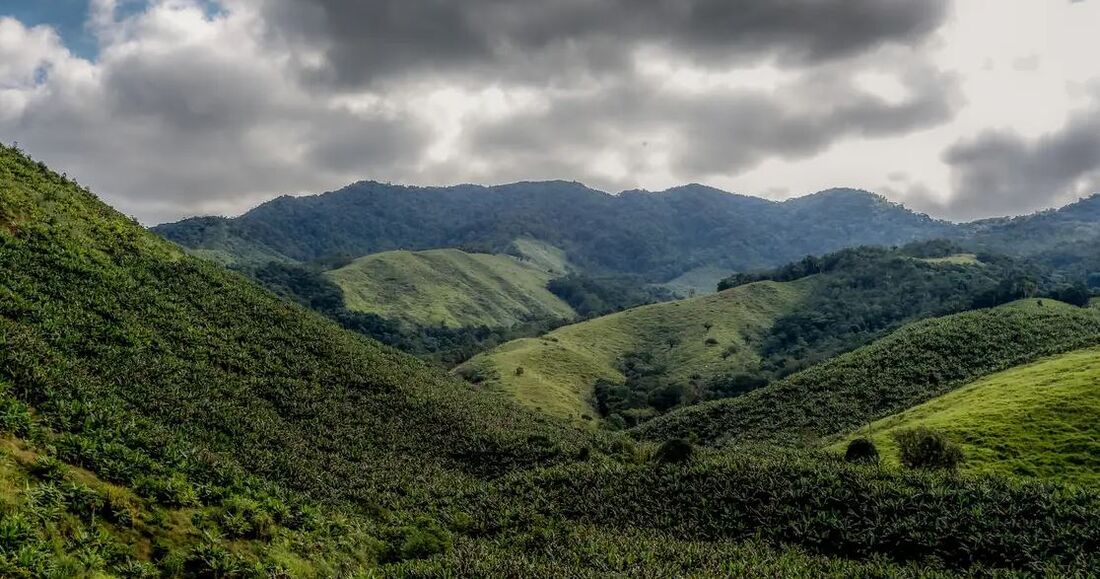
pixel 657 235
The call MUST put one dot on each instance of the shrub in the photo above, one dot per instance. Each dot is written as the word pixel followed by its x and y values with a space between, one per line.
pixel 675 451
pixel 519 371
pixel 861 450
pixel 923 447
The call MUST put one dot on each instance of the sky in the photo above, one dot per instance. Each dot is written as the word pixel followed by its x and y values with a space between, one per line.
pixel 962 109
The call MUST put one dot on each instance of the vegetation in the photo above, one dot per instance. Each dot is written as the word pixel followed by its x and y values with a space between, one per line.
pixel 441 344
pixel 563 368
pixel 910 366
pixel 658 236
pixel 923 447
pixel 597 296
pixel 161 416
pixel 1035 420
pixel 450 288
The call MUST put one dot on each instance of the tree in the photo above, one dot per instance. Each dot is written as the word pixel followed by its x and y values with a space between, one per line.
pixel 861 450
pixel 927 448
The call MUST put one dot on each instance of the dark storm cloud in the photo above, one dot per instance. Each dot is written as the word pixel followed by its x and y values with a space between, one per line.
pixel 367 40
pixel 1000 172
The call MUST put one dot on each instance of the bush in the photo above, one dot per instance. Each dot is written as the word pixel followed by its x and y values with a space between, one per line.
pixel 923 447
pixel 861 450
pixel 675 451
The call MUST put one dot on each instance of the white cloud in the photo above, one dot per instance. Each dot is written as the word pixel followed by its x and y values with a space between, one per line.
pixel 186 111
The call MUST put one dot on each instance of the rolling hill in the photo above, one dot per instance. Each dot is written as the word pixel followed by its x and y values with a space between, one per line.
pixel 1038 420
pixel 450 287
pixel 560 368
pixel 766 325
pixel 910 366
pixel 658 236
pixel 162 416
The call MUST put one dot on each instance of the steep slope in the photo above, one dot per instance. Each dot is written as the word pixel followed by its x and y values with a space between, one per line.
pixel 910 366
pixel 656 235
pixel 1041 420
pixel 165 373
pixel 160 416
pixel 705 336
pixel 449 287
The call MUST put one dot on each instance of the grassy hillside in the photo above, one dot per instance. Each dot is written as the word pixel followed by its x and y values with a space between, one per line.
pixel 171 376
pixel 449 287
pixel 559 369
pixel 162 417
pixel 910 366
pixel 1041 419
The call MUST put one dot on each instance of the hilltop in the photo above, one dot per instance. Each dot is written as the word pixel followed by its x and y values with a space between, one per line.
pixel 658 236
pixel 451 288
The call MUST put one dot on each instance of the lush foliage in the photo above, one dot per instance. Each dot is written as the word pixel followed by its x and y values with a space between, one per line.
pixel 924 447
pixel 656 235
pixel 450 288
pixel 1036 420
pixel 663 353
pixel 597 296
pixel 916 363
pixel 161 416
pixel 445 345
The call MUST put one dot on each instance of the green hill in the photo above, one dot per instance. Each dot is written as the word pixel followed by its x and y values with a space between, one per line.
pixel 449 287
pixel 189 384
pixel 910 366
pixel 163 417
pixel 1040 420
pixel 560 368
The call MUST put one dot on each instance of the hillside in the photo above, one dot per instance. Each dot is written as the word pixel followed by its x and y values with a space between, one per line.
pixel 1038 420
pixel 189 384
pixel 908 367
pixel 560 369
pixel 161 416
pixel 656 235
pixel 449 287
pixel 764 326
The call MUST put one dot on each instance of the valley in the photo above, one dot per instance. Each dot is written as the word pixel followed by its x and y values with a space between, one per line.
pixel 163 415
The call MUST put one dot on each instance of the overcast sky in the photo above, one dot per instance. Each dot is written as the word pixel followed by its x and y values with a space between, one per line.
pixel 171 108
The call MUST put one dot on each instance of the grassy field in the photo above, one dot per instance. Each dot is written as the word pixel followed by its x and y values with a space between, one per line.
pixel 699 281
pixel 957 259
pixel 452 288
pixel 560 368
pixel 910 366
pixel 1041 420
pixel 542 255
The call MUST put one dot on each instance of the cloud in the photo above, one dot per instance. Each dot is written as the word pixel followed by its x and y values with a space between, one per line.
pixel 1000 172
pixel 640 124
pixel 533 39
pixel 186 112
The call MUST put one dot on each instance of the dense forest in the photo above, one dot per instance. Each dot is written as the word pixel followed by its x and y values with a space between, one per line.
pixel 654 235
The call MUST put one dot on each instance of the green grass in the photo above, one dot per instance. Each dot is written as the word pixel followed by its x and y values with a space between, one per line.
pixel 163 417
pixel 1041 419
pixel 449 287
pixel 698 281
pixel 561 367
pixel 956 259
pixel 543 256
pixel 910 366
